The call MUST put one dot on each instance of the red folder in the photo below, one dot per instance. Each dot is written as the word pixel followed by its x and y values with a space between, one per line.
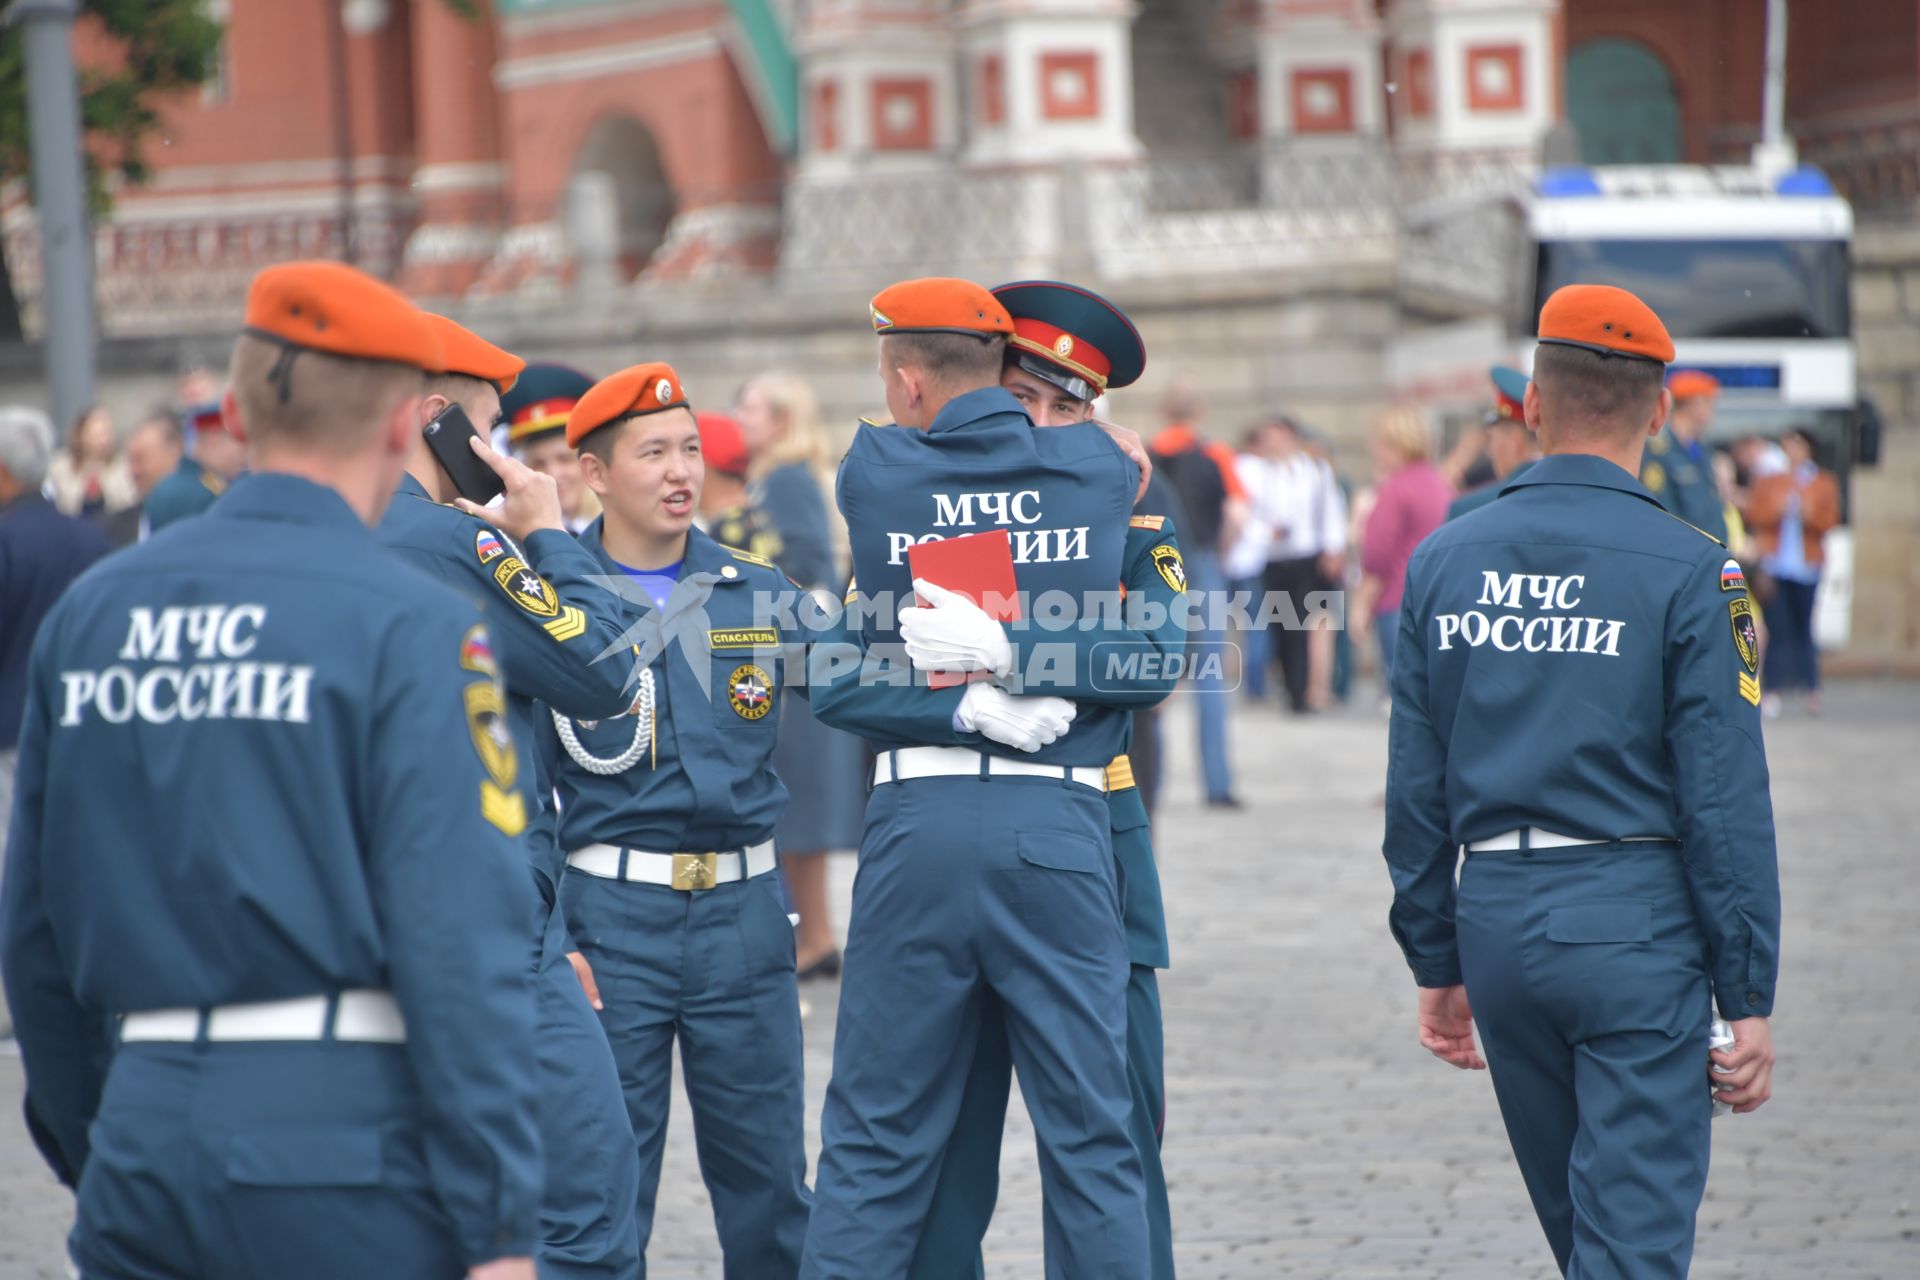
pixel 978 566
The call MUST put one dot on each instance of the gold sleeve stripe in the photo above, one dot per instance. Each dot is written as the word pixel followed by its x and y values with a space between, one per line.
pixel 571 624
pixel 1120 774
pixel 1148 522
pixel 506 810
pixel 1749 688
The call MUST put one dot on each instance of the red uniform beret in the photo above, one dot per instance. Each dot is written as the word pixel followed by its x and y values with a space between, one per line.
pixel 722 444
pixel 465 352
pixel 939 304
pixel 1602 318
pixel 643 388
pixel 331 307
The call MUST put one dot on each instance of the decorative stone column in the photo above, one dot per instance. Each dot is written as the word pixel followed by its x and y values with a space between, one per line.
pixel 1475 77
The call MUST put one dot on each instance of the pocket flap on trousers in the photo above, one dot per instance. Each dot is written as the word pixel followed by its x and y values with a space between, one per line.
pixel 1061 851
pixel 1624 920
pixel 305 1158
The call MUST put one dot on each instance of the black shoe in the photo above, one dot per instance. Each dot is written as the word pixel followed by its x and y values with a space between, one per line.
pixel 827 966
pixel 1224 802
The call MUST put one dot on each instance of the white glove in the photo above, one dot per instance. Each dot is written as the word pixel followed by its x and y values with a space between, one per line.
pixel 949 632
pixel 1025 722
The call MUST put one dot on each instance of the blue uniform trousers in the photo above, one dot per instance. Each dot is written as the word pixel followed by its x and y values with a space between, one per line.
pixel 588 1200
pixel 715 969
pixel 1587 972
pixel 969 1183
pixel 970 889
pixel 300 1161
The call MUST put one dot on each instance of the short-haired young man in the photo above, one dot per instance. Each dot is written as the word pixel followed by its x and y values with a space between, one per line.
pixel 1575 703
pixel 550 622
pixel 667 817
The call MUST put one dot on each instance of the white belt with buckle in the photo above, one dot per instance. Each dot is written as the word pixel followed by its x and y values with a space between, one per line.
pixel 688 871
pixel 369 1017
pixel 1536 838
pixel 909 763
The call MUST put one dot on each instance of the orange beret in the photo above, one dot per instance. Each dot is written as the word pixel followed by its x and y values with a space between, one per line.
pixel 331 307
pixel 1602 318
pixel 939 304
pixel 644 388
pixel 1691 384
pixel 722 444
pixel 465 352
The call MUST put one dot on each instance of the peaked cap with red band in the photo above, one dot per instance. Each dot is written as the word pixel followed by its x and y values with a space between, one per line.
pixel 630 393
pixel 1072 337
pixel 466 353
pixel 1691 384
pixel 540 401
pixel 1509 395
pixel 939 304
pixel 1599 317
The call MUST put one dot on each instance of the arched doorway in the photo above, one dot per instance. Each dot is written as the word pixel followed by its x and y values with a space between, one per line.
pixel 1620 97
pixel 618 202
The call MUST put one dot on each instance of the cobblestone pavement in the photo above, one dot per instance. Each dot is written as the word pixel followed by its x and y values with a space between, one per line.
pixel 1309 1135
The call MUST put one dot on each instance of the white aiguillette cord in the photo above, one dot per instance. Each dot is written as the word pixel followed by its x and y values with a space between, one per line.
pixel 643 736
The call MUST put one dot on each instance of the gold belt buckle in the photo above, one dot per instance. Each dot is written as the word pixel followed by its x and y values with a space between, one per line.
pixel 695 871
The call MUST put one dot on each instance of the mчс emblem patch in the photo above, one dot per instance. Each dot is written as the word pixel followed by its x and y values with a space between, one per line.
pixel 526 588
pixel 1746 636
pixel 1173 571
pixel 750 692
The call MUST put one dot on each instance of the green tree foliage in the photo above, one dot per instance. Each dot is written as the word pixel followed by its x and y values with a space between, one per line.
pixel 165 46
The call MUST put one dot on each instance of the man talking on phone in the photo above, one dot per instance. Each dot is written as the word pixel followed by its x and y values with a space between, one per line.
pixel 548 620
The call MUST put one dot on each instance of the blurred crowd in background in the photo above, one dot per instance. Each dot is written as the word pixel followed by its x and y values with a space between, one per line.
pixel 1274 511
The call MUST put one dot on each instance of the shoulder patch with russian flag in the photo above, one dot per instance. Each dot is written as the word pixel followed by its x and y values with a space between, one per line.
pixel 486 545
pixel 1732 576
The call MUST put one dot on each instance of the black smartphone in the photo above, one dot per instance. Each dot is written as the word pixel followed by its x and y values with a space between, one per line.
pixel 447 433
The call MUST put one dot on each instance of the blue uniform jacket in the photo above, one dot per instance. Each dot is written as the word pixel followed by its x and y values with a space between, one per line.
pixel 1154 581
pixel 1063 495
pixel 190 490
pixel 263 759
pixel 549 621
pixel 41 552
pixel 718 666
pixel 1684 484
pixel 1574 658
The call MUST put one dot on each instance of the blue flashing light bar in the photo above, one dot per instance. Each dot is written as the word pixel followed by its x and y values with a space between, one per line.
pixel 1568 181
pixel 1804 181
pixel 1741 377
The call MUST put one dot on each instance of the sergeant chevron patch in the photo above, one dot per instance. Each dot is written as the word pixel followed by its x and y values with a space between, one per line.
pixel 1749 688
pixel 571 623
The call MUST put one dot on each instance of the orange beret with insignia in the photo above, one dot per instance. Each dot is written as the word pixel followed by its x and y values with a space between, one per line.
pixel 466 353
pixel 939 304
pixel 642 389
pixel 333 308
pixel 1599 317
pixel 1691 384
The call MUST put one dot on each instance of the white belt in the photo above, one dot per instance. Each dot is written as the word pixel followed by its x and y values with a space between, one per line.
pixel 1536 838
pixel 688 871
pixel 370 1017
pixel 909 763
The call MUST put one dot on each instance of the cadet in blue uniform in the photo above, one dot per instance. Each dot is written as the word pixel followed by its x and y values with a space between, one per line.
pixel 1069 347
pixel 535 408
pixel 987 864
pixel 550 624
pixel 1678 466
pixel 1577 706
pixel 667 820
pixel 193 486
pixel 1510 447
pixel 233 854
